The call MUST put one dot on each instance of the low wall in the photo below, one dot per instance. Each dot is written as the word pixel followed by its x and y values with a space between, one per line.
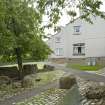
pixel 30 69
pixel 59 60
pixel 69 60
pixel 81 61
pixel 13 71
pixel 101 61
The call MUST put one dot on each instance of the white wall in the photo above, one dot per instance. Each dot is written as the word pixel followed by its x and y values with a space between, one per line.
pixel 95 38
pixel 95 47
pixel 53 45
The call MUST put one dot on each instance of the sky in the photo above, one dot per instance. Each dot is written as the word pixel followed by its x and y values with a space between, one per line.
pixel 65 19
pixel 103 6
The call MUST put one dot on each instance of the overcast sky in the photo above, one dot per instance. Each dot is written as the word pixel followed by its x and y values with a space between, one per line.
pixel 65 19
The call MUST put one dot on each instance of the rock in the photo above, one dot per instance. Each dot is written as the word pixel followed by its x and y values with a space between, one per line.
pixel 67 82
pixel 30 69
pixel 28 81
pixel 84 101
pixel 84 87
pixel 38 79
pixel 11 72
pixel 48 67
pixel 95 91
pixel 16 85
pixel 72 96
pixel 5 80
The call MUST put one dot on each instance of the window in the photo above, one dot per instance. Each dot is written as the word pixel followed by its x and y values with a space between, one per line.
pixel 58 39
pixel 76 29
pixel 79 49
pixel 59 51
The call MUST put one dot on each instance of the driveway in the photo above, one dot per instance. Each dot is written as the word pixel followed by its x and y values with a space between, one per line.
pixel 83 74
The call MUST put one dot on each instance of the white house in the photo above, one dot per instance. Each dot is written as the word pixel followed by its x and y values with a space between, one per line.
pixel 80 41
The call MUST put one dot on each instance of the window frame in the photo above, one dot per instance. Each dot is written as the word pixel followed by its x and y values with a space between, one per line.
pixel 76 51
pixel 77 30
pixel 56 39
pixel 59 51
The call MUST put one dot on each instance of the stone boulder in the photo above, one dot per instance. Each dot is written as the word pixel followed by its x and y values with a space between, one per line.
pixel 16 85
pixel 28 81
pixel 95 91
pixel 11 72
pixel 48 67
pixel 5 80
pixel 67 82
pixel 30 69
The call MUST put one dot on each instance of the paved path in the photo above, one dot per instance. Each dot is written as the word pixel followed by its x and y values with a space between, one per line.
pixel 29 94
pixel 83 74
pixel 101 71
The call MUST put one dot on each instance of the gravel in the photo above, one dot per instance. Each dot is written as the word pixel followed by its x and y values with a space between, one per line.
pixel 83 86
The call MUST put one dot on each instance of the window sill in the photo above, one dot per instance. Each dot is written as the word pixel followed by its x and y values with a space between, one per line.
pixel 77 33
pixel 57 42
pixel 78 54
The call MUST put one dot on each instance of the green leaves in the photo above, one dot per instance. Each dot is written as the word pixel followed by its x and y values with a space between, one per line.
pixel 21 27
pixel 91 7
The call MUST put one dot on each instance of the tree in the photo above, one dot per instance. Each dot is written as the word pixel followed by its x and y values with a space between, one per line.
pixel 21 28
pixel 21 32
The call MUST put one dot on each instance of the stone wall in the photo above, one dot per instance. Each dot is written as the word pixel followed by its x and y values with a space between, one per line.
pixel 101 61
pixel 69 60
pixel 59 60
pixel 13 71
pixel 30 69
pixel 81 61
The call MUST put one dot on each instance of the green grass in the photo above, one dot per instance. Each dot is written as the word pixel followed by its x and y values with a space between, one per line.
pixel 47 77
pixel 85 68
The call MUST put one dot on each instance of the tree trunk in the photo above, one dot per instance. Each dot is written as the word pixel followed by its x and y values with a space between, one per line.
pixel 19 61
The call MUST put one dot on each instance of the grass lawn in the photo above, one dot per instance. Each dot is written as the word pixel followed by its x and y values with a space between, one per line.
pixel 85 68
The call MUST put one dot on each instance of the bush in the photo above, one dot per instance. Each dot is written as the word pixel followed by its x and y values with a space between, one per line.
pixel 67 82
